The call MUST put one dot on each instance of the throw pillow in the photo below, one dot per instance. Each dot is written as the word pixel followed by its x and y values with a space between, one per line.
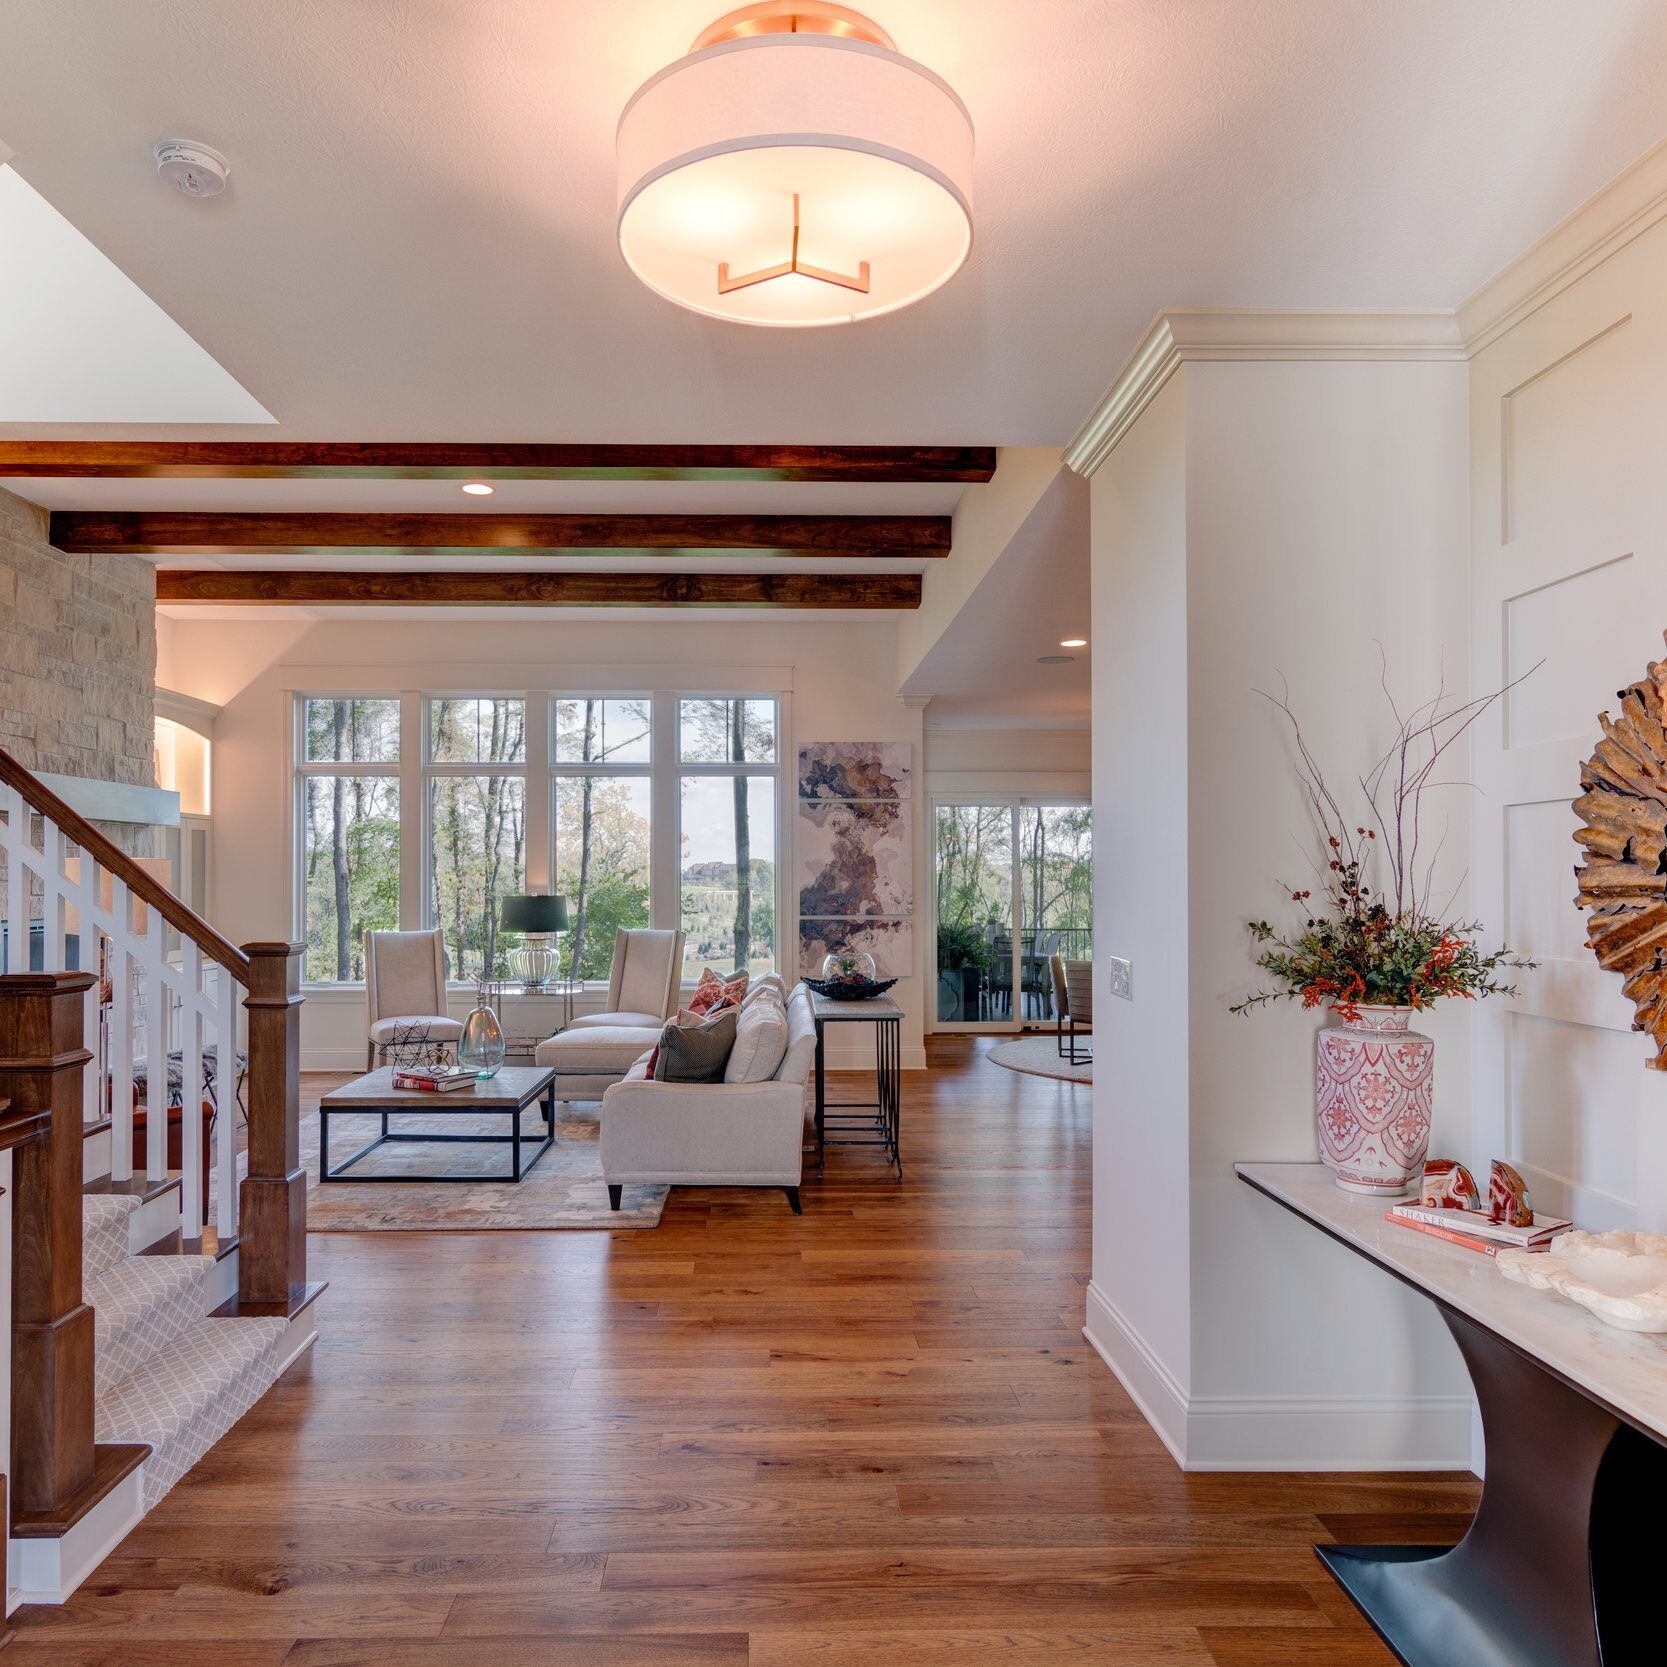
pixel 714 992
pixel 696 1053
pixel 760 1043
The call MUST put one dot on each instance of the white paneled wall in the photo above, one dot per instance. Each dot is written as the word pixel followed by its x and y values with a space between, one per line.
pixel 1569 527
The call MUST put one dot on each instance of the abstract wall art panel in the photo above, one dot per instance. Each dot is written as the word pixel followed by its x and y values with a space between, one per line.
pixel 856 769
pixel 856 857
pixel 890 942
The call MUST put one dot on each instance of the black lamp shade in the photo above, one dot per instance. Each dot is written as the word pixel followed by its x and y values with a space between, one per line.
pixel 533 914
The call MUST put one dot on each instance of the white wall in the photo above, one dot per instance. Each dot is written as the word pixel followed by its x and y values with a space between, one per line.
pixel 1275 517
pixel 1327 512
pixel 840 674
pixel 1006 752
pixel 1569 527
pixel 1139 1303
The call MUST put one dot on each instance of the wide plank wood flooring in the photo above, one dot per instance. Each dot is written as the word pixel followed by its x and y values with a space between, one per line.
pixel 873 1435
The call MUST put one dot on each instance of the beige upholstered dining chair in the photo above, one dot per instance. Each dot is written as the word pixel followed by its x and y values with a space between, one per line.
pixel 1079 1017
pixel 644 980
pixel 405 990
pixel 1061 1000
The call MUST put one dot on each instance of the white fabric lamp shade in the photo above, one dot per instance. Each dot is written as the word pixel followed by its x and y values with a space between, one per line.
pixel 869 151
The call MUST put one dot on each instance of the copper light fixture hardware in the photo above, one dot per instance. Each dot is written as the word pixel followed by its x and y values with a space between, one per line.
pixel 792 265
pixel 793 17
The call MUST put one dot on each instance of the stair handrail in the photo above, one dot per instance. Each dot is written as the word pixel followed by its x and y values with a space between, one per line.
pixel 181 916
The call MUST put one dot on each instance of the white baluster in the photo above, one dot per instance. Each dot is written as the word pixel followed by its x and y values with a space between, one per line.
pixel 156 1053
pixel 225 1102
pixel 121 1033
pixel 54 955
pixel 15 838
pixel 191 1091
pixel 84 889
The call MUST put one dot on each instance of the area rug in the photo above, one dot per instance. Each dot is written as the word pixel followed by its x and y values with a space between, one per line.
pixel 564 1189
pixel 1038 1056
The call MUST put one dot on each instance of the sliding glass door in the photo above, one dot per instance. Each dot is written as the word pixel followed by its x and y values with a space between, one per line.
pixel 1012 889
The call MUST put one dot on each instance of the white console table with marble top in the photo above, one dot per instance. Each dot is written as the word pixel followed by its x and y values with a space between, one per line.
pixel 1563 1565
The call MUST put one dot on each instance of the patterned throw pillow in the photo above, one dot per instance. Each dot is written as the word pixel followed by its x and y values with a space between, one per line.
pixel 714 993
pixel 697 1053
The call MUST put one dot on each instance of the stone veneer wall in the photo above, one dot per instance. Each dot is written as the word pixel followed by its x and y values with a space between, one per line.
pixel 77 659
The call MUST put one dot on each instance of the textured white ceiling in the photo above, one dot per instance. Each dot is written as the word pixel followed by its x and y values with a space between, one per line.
pixel 417 241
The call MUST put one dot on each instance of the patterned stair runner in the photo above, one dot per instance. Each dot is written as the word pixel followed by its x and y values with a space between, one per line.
pixel 165 1372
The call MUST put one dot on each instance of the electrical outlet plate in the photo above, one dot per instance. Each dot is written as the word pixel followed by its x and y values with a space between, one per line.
pixel 1121 974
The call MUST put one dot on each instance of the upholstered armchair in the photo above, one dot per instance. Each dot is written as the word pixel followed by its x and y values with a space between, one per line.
pixel 643 982
pixel 1079 1019
pixel 405 991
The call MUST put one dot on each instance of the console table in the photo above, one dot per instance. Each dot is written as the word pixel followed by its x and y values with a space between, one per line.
pixel 885 1126
pixel 1561 1566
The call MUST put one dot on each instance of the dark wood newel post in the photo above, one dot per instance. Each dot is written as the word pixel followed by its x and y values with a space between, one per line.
pixel 272 1228
pixel 41 1060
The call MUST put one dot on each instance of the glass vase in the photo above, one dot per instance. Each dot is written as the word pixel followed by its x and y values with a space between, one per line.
pixel 481 1046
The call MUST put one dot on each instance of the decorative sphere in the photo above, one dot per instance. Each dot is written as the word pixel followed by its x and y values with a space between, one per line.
pixel 848 965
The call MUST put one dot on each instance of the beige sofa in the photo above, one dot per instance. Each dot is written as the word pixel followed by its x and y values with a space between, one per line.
pixel 735 1133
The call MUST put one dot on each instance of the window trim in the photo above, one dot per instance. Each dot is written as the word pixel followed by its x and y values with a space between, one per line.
pixel 431 770
pixel 664 770
pixel 301 768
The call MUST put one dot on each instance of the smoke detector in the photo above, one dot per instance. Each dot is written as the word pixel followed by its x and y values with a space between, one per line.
pixel 193 169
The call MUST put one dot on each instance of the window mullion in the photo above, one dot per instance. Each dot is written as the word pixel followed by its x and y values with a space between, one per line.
pixel 540 799
pixel 413 814
pixel 665 891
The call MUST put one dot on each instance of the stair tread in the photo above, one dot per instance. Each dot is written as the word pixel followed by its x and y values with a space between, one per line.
pixel 139 1307
pixel 104 1230
pixel 187 1395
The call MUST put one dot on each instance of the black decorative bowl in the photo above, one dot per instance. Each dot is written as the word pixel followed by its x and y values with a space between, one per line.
pixel 850 989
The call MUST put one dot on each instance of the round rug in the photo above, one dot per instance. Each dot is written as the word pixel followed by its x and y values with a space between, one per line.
pixel 1038 1056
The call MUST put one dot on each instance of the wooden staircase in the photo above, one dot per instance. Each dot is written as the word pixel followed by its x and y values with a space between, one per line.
pixel 148 1312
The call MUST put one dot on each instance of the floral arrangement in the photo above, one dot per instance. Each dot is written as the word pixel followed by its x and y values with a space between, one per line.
pixel 1371 944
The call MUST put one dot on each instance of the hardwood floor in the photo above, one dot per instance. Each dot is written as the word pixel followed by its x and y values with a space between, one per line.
pixel 871 1435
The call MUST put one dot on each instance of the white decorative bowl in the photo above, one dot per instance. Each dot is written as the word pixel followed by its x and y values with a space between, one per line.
pixel 1620 1277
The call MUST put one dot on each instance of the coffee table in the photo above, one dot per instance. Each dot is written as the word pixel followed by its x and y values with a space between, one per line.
pixel 508 1094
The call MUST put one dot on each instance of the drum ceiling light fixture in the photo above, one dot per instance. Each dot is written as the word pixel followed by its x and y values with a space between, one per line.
pixel 795 170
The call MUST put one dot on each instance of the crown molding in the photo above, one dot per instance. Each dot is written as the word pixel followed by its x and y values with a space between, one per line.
pixel 1224 334
pixel 187 710
pixel 1623 210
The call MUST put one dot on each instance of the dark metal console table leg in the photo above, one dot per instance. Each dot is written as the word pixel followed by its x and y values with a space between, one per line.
pixel 821 1100
pixel 1560 1567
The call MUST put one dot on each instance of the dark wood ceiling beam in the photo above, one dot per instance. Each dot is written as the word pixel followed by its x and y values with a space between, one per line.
pixel 189 533
pixel 545 590
pixel 351 460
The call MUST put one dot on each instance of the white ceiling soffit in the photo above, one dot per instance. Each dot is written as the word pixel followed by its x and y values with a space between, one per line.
pixel 80 342
pixel 985 670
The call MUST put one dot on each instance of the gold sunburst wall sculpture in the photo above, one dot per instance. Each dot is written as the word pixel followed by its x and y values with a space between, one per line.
pixel 1623 877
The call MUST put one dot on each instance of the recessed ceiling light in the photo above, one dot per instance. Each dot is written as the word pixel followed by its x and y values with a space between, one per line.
pixel 478 489
pixel 1054 659
pixel 1075 642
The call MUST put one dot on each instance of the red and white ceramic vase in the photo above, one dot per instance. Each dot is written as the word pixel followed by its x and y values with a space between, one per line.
pixel 1373 1086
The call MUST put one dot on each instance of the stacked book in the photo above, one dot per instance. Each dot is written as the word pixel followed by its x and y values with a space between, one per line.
pixel 436 1079
pixel 1473 1230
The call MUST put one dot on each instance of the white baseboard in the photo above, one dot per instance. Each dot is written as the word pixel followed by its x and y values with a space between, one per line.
pixel 95 1155
pixel 1359 1432
pixel 1151 1386
pixel 48 1571
pixel 1280 1433
pixel 299 1336
pixel 155 1219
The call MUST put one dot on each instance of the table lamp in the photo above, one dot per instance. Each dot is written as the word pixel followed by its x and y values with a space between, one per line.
pixel 537 919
